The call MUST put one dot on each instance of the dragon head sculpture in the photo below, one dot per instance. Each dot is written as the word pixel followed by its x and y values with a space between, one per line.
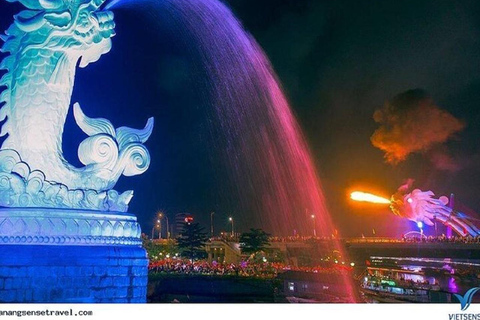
pixel 423 208
pixel 419 206
pixel 77 27
pixel 46 43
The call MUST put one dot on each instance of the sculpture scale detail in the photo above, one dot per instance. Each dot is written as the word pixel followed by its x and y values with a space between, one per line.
pixel 45 43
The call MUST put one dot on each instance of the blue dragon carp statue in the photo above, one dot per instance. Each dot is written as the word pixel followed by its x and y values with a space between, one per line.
pixel 44 45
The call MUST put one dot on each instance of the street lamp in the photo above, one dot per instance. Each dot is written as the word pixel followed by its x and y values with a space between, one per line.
pixel 161 216
pixel 168 229
pixel 314 227
pixel 159 227
pixel 211 223
pixel 231 220
pixel 420 226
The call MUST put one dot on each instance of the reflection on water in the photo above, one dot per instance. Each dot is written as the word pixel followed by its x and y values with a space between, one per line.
pixel 390 279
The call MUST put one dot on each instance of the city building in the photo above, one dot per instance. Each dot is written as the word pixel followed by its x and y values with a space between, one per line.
pixel 180 220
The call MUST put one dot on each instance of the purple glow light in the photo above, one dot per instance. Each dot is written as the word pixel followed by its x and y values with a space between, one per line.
pixel 452 286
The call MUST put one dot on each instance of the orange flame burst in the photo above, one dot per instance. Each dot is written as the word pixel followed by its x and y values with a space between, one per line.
pixel 368 197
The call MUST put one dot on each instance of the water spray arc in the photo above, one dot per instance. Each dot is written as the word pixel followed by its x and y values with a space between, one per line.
pixel 260 144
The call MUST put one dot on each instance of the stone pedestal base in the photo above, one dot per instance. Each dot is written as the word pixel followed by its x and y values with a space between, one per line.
pixel 63 256
pixel 72 274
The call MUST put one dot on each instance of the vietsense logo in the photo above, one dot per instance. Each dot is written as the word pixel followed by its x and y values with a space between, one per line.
pixel 466 300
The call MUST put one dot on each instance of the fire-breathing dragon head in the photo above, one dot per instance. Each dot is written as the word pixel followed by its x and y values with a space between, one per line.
pixel 419 206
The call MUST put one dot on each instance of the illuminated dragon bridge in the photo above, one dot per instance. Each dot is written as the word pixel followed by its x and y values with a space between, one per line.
pixel 422 206
pixel 45 43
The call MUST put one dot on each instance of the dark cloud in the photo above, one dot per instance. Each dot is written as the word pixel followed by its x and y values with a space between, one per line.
pixel 410 123
pixel 442 160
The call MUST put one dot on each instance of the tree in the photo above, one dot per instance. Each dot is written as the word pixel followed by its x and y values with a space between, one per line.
pixel 254 241
pixel 191 241
pixel 159 250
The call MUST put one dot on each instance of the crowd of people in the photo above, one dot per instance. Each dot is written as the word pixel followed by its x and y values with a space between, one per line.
pixel 414 238
pixel 411 238
pixel 419 238
pixel 443 239
pixel 244 268
pixel 298 239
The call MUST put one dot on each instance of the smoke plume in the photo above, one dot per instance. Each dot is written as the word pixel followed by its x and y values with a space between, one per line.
pixel 411 122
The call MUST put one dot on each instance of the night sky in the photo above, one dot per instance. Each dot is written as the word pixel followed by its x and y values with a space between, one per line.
pixel 338 62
